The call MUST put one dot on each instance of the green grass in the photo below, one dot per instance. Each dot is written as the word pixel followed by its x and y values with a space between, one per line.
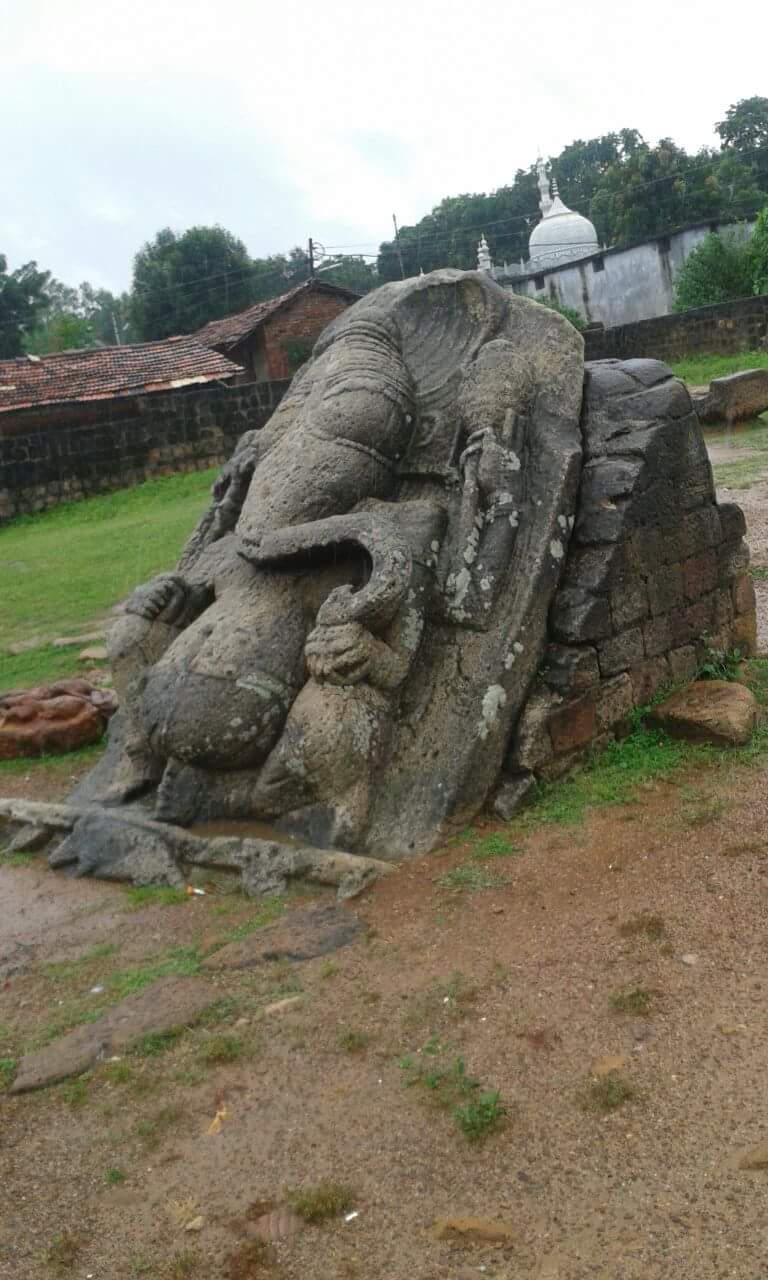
pixel 272 909
pixel 67 970
pixel 114 1177
pixel 468 878
pixel 614 778
pixel 475 1111
pixel 54 764
pixel 150 895
pixel 647 923
pixel 326 1200
pixel 636 1001
pixel 64 569
pixel 608 1093
pixel 699 370
pixel 7 1072
pixel 741 474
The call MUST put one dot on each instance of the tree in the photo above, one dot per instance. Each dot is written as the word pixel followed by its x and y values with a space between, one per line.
pixel 180 282
pixel 745 126
pixel 84 317
pixel 22 301
pixel 757 253
pixel 717 270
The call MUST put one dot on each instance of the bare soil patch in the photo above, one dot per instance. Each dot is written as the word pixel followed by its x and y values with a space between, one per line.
pixel 517 980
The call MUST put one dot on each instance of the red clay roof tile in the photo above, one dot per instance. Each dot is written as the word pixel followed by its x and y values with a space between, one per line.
pixel 103 373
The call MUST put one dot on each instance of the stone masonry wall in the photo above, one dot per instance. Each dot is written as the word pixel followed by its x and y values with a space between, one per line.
pixel 724 329
pixel 60 459
pixel 657 570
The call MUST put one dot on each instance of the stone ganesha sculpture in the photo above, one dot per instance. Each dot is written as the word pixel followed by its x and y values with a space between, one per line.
pixel 353 626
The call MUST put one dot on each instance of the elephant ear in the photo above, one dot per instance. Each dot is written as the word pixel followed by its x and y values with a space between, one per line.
pixel 444 319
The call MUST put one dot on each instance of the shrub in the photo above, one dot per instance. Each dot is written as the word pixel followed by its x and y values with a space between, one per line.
pixel 717 270
pixel 570 313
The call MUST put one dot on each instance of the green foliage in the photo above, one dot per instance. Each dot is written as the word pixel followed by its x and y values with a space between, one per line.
pixel 717 270
pixel 476 1112
pixel 326 1200
pixel 636 1001
pixel 614 778
pixel 745 126
pixel 570 313
pixel 298 351
pixel 608 1093
pixel 222 1049
pixel 155 1043
pixel 114 1177
pixel 758 253
pixel 22 301
pixel 352 1041
pixel 470 878
pixel 7 1072
pixel 721 664
pixel 150 895
pixel 482 1116
pixel 182 281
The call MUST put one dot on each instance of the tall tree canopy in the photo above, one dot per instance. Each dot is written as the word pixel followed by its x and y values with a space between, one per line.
pixel 182 281
pixel 22 301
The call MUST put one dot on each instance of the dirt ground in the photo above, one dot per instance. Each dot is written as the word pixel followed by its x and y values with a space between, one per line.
pixel 520 979
pixel 517 979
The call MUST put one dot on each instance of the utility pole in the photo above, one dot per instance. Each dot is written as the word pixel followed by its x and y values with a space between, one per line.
pixel 399 250
pixel 311 257
pixel 114 327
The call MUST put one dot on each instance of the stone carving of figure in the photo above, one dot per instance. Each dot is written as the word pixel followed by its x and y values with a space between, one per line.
pixel 375 563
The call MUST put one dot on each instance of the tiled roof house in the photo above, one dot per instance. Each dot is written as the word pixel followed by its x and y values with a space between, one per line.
pixel 271 339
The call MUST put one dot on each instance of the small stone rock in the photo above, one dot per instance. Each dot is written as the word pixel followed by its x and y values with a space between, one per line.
pixel 477 1230
pixel 511 794
pixel 604 1066
pixel 719 711
pixel 755 1158
pixel 279 1224
pixel 690 959
pixel 96 653
pixel 163 1006
pixel 66 642
pixel 196 1224
pixel 732 1028
pixel 281 1005
pixel 302 935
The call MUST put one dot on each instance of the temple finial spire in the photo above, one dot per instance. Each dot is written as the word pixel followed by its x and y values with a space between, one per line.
pixel 484 256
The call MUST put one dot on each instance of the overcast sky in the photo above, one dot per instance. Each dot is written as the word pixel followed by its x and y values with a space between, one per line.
pixel 290 119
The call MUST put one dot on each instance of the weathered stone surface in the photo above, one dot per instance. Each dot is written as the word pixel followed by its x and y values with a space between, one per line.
pixel 718 711
pixel 167 1004
pixel 511 795
pixel 302 935
pixel 51 718
pixel 573 725
pixel 301 663
pixel 126 845
pixel 570 669
pixel 735 397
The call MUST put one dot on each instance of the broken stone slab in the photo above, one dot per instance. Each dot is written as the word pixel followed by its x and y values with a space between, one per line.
pixel 302 935
pixel 94 653
pixel 164 1006
pixel 127 845
pixel 717 711
pixel 734 398
pixel 66 642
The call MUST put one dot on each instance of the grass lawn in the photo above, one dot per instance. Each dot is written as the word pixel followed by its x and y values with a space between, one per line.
pixel 698 371
pixel 60 572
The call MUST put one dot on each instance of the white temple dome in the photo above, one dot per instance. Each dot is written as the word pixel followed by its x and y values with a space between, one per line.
pixel 562 235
